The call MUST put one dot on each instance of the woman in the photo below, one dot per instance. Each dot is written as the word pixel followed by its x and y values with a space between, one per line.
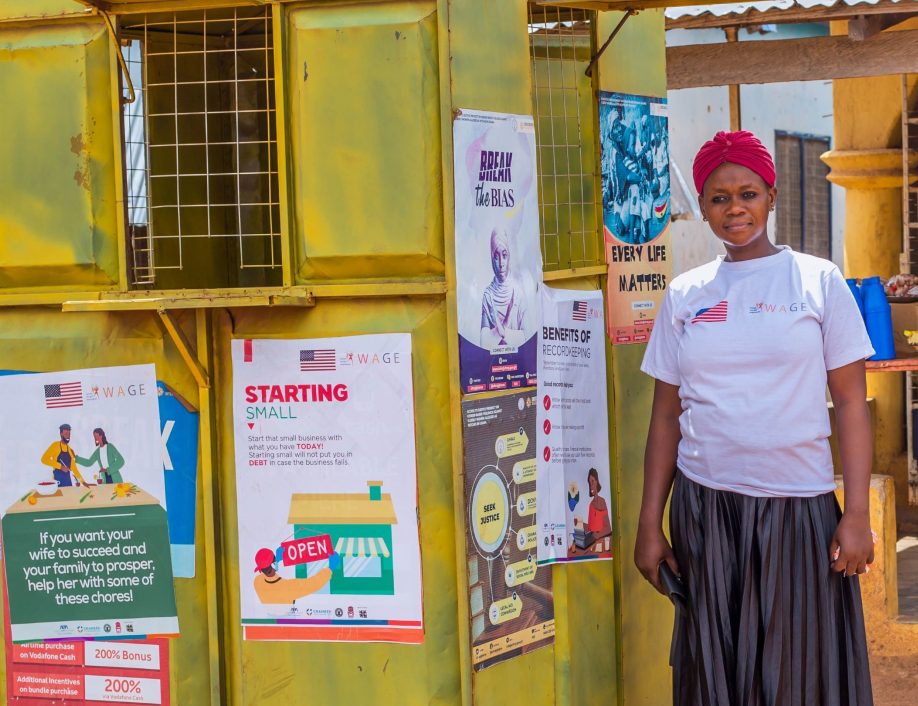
pixel 503 303
pixel 108 458
pixel 742 351
pixel 598 523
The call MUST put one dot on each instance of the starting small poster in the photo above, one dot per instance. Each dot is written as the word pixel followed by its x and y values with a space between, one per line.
pixel 498 256
pixel 510 597
pixel 326 487
pixel 573 515
pixel 85 535
pixel 634 139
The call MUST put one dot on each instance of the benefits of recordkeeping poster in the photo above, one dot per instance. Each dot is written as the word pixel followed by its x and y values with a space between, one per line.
pixel 498 258
pixel 634 140
pixel 326 487
pixel 511 606
pixel 85 535
pixel 573 515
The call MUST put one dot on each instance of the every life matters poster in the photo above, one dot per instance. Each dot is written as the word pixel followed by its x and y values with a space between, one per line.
pixel 498 257
pixel 574 508
pixel 85 535
pixel 326 487
pixel 511 605
pixel 634 138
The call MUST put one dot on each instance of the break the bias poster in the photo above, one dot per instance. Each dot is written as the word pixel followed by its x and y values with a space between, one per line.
pixel 573 515
pixel 498 256
pixel 326 487
pixel 511 606
pixel 85 535
pixel 634 140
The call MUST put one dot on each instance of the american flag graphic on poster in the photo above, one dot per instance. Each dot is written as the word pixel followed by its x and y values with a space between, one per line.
pixel 716 313
pixel 65 394
pixel 318 360
pixel 580 311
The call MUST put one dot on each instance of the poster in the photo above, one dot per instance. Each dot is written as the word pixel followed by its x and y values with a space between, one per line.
pixel 326 486
pixel 78 672
pixel 574 508
pixel 85 535
pixel 634 140
pixel 498 255
pixel 179 433
pixel 510 597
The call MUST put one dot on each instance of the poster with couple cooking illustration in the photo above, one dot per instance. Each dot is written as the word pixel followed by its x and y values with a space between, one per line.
pixel 85 536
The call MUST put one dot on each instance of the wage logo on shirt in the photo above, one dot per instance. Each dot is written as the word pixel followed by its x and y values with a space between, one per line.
pixel 762 308
pixel 716 313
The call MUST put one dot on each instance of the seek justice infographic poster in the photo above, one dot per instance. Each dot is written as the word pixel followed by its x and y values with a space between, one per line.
pixel 573 516
pixel 326 487
pixel 498 257
pixel 510 596
pixel 85 534
pixel 634 141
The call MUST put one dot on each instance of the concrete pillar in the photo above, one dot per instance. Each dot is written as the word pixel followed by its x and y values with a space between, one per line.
pixel 872 179
pixel 867 162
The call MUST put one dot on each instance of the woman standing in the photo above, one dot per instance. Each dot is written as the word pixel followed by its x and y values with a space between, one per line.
pixel 108 458
pixel 742 351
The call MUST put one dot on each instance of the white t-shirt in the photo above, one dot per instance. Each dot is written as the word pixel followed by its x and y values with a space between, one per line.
pixel 749 343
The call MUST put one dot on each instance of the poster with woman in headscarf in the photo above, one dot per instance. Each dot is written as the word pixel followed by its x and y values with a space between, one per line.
pixel 498 259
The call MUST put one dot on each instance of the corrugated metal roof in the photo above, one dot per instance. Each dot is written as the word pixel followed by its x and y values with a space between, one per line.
pixel 740 8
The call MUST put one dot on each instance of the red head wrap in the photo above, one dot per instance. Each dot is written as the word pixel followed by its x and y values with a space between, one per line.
pixel 739 147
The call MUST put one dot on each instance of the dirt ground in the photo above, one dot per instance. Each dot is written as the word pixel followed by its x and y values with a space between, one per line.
pixel 895 680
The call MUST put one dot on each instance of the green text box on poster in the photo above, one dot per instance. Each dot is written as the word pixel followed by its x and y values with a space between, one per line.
pixel 89 572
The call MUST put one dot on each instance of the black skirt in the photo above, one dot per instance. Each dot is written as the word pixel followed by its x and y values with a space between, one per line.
pixel 767 622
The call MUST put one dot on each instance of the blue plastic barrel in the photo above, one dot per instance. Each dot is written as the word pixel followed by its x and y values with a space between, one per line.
pixel 856 291
pixel 878 318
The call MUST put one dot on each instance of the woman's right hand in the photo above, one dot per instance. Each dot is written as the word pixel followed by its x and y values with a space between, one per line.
pixel 650 549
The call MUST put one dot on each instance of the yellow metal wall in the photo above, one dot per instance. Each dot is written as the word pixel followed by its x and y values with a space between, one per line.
pixel 635 63
pixel 58 220
pixel 369 93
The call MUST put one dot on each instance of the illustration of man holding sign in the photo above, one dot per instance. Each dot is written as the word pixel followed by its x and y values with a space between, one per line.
pixel 273 589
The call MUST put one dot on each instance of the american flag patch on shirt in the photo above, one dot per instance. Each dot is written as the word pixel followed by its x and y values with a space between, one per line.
pixel 580 311
pixel 718 312
pixel 66 394
pixel 318 360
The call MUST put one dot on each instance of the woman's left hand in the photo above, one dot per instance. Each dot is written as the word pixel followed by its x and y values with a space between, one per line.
pixel 852 545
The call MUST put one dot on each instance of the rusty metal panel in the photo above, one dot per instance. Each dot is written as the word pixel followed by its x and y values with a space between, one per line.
pixel 58 221
pixel 365 133
pixel 32 9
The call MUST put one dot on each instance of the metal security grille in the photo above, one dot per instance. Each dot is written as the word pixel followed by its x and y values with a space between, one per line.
pixel 200 149
pixel 561 44
pixel 136 171
pixel 804 208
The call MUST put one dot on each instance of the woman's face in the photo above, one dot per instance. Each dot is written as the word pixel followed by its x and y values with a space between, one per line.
pixel 98 437
pixel 593 485
pixel 736 202
pixel 500 261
